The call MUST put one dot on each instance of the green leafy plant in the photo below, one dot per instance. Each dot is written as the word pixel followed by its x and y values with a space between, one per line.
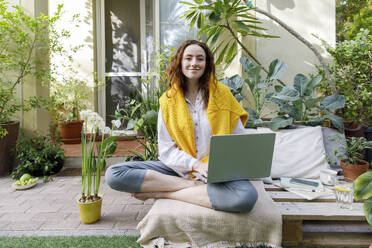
pixel 354 149
pixel 68 98
pixel 260 88
pixel 224 18
pixel 38 156
pixel 351 16
pixel 363 191
pixel 352 69
pixel 94 161
pixel 143 108
pixel 25 43
pixel 298 103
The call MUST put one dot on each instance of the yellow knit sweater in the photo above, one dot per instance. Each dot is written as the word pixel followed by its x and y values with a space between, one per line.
pixel 223 113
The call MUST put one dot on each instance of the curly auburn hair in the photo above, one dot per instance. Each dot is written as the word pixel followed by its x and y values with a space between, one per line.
pixel 176 77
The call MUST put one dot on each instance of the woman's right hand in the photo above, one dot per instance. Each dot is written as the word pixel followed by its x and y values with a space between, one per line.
pixel 202 168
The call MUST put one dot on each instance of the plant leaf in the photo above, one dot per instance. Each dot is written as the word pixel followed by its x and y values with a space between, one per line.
pixel 314 81
pixel 276 69
pixel 336 122
pixel 333 102
pixel 235 83
pixel 363 186
pixel 287 94
pixel 312 102
pixel 246 63
pixel 367 207
pixel 300 84
pixel 279 122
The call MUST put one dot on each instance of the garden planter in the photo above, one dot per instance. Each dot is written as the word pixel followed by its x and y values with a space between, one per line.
pixel 7 148
pixel 354 129
pixel 352 171
pixel 71 131
pixel 90 212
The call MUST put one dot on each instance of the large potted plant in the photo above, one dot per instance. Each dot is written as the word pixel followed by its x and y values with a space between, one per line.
pixel 93 163
pixel 352 69
pixel 353 164
pixel 21 35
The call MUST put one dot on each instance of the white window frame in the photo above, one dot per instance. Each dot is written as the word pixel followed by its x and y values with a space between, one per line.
pixel 101 56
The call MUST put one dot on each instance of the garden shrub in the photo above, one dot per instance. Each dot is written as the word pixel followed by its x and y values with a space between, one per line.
pixel 38 156
pixel 352 70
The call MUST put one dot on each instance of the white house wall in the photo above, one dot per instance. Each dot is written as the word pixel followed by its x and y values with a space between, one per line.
pixel 308 18
pixel 83 34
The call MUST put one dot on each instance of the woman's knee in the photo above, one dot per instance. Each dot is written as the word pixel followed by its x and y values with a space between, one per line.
pixel 237 196
pixel 124 178
pixel 246 200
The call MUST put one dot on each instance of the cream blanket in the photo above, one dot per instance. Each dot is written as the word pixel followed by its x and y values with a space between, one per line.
pixel 171 223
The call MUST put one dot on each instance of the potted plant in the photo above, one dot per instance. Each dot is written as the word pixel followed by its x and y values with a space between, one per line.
pixel 352 69
pixel 363 191
pixel 93 163
pixel 69 96
pixel 21 38
pixel 300 103
pixel 259 88
pixel 38 156
pixel 352 164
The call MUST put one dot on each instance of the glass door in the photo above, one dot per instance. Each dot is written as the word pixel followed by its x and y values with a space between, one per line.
pixel 128 45
pixel 129 33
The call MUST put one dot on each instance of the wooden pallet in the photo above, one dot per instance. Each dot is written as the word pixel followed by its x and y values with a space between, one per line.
pixel 320 221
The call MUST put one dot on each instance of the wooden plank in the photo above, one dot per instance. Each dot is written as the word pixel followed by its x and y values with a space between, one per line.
pixel 337 239
pixel 285 196
pixel 292 232
pixel 340 226
pixel 272 187
pixel 319 211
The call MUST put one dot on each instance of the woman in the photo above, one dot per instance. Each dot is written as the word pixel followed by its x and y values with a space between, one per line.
pixel 194 108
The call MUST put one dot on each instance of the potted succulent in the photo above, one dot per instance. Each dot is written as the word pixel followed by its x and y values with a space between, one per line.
pixel 21 38
pixel 93 163
pixel 352 164
pixel 363 191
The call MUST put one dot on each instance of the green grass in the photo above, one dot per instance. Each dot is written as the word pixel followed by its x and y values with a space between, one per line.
pixel 80 242
pixel 69 242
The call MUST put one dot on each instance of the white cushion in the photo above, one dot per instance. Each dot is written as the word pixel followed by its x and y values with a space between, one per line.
pixel 298 152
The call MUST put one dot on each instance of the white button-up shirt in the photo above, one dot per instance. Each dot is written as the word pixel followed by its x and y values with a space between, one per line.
pixel 179 160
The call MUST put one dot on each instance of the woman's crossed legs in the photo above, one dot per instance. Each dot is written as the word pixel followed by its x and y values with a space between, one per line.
pixel 153 179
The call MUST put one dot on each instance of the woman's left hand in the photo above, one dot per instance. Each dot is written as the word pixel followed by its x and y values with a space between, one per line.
pixel 202 168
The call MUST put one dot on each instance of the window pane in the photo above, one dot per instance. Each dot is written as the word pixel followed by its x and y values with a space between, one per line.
pixel 122 36
pixel 118 90
pixel 173 30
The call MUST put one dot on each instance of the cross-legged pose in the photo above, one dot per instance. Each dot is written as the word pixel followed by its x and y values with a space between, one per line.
pixel 195 107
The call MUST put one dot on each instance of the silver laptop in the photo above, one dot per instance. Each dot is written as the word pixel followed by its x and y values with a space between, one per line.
pixel 235 157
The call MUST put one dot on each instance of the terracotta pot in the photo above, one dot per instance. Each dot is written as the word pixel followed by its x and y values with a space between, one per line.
pixel 90 212
pixel 354 129
pixel 7 148
pixel 352 171
pixel 71 131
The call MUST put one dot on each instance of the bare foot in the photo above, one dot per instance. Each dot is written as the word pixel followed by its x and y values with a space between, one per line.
pixel 147 195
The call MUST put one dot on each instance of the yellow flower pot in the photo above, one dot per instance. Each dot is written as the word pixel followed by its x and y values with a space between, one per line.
pixel 90 212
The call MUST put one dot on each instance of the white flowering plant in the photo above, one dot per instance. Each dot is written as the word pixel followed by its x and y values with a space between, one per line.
pixel 94 160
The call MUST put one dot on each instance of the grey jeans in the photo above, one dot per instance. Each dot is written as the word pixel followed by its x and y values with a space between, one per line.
pixel 233 196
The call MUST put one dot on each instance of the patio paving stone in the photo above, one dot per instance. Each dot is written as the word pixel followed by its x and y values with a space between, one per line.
pixel 23 225
pixel 50 209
